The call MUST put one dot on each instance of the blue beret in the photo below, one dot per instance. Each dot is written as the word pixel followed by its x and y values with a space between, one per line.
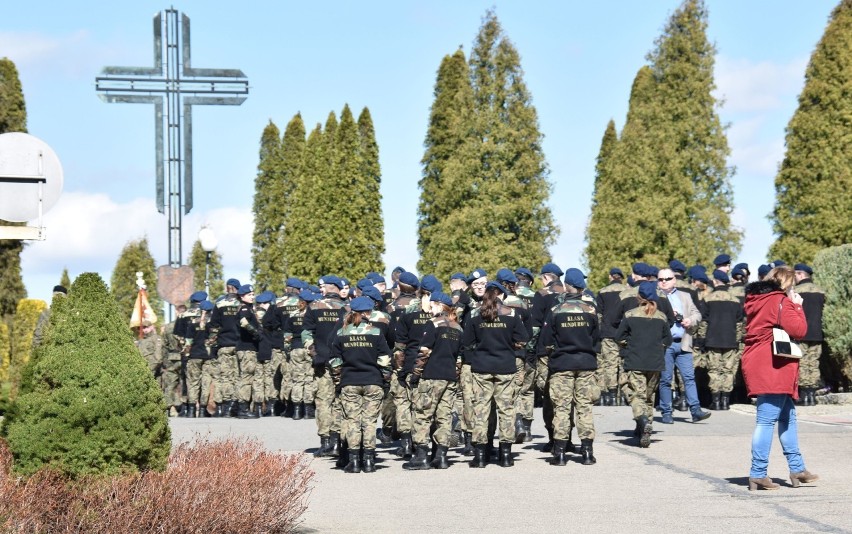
pixel 506 275
pixel 198 296
pixel 803 267
pixel 640 268
pixel 296 283
pixel 631 281
pixel 364 282
pixel 345 282
pixel 375 277
pixel 443 298
pixel 476 274
pixel 496 285
pixel 616 270
pixel 737 271
pixel 742 266
pixel 575 277
pixel 702 277
pixel 722 259
pixel 245 289
pixel 551 268
pixel 206 305
pixel 677 265
pixel 313 289
pixel 523 271
pixel 409 279
pixel 763 270
pixel 398 270
pixel 721 276
pixel 648 290
pixel 431 284
pixel 332 280
pixel 266 296
pixel 696 270
pixel 308 296
pixel 458 276
pixel 653 271
pixel 233 282
pixel 777 263
pixel 361 304
pixel 372 292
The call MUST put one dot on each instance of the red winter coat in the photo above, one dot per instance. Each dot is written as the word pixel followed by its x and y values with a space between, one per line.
pixel 763 372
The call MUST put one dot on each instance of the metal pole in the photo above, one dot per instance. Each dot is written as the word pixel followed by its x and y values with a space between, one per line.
pixel 207 275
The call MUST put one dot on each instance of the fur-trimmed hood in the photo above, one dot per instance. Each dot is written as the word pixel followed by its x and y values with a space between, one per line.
pixel 762 287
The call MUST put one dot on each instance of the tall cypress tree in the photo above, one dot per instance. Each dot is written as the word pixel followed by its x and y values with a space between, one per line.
pixel 599 227
pixel 301 235
pixel 694 166
pixel 65 280
pixel 371 175
pixel 291 161
pixel 13 118
pixel 265 253
pixel 135 257
pixel 813 188
pixel 198 262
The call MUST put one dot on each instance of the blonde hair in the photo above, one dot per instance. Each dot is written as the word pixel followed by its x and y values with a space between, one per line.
pixel 783 275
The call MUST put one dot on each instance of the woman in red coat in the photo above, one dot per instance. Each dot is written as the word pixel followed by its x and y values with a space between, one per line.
pixel 772 379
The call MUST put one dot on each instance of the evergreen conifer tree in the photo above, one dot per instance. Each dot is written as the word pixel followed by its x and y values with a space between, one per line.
pixel 135 257
pixel 198 262
pixel 813 187
pixel 292 155
pixel 92 406
pixel 597 231
pixel 371 179
pixel 265 249
pixel 307 202
pixel 65 280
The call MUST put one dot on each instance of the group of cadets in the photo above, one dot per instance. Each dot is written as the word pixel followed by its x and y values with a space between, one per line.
pixel 435 370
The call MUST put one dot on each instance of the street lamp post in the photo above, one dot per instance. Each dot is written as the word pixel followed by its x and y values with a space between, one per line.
pixel 208 245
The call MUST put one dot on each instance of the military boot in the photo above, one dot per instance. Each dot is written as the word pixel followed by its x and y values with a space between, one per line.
pixel 369 463
pixel 420 460
pixel 343 459
pixel 298 411
pixel 587 452
pixel 323 447
pixel 520 429
pixel 682 405
pixel 268 408
pixel 528 428
pixel 645 436
pixel 220 410
pixel 547 447
pixel 190 410
pixel 559 457
pixel 333 445
pixel 506 459
pixel 478 460
pixel 570 447
pixel 384 434
pixel 258 410
pixel 405 449
pixel 244 412
pixel 717 401
pixel 440 458
pixel 354 465
pixel 310 410
pixel 724 400
pixel 468 446
pixel 232 408
pixel 612 397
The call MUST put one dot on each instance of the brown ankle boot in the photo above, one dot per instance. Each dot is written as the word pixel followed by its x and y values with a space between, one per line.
pixel 763 483
pixel 804 477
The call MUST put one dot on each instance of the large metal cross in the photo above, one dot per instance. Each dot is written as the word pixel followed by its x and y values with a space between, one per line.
pixel 173 86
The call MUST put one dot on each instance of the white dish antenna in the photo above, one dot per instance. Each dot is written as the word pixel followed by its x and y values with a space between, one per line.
pixel 30 183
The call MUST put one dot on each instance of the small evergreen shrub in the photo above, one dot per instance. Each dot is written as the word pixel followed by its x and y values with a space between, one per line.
pixel 91 406
pixel 833 273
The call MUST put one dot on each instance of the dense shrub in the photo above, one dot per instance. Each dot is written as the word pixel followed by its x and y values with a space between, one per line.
pixel 92 406
pixel 209 486
pixel 833 273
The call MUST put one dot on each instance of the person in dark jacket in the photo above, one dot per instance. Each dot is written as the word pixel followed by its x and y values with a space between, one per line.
pixel 361 356
pixel 607 305
pixel 301 366
pixel 223 336
pixel 202 369
pixel 813 301
pixel 492 335
pixel 248 346
pixel 723 330
pixel 270 353
pixel 434 382
pixel 570 338
pixel 772 303
pixel 645 333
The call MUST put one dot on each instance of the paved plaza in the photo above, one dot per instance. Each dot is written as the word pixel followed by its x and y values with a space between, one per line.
pixel 693 478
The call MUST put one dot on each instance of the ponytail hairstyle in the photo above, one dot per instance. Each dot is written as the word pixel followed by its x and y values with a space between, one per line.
pixel 450 312
pixel 650 306
pixel 354 318
pixel 490 304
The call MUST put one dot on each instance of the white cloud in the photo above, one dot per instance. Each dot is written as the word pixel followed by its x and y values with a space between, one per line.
pixel 748 86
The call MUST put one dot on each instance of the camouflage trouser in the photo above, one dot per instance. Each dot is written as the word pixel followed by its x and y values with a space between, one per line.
pixel 324 399
pixel 699 357
pixel 304 383
pixel 466 387
pixel 608 361
pixel 502 390
pixel 337 415
pixel 722 368
pixel 573 389
pixel 388 410
pixel 200 376
pixel 263 387
pixel 170 380
pixel 639 388
pixel 542 370
pixel 809 365
pixel 402 403
pixel 433 401
pixel 229 373
pixel 526 396
pixel 279 362
pixel 360 406
pixel 248 368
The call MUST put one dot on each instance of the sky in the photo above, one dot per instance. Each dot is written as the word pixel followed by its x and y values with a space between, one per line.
pixel 579 61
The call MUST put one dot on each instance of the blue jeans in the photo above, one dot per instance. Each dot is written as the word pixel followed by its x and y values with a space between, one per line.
pixel 771 409
pixel 683 360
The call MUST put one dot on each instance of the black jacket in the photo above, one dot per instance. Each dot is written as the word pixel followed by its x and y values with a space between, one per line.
pixel 440 347
pixel 360 348
pixel 646 339
pixel 489 346
pixel 570 336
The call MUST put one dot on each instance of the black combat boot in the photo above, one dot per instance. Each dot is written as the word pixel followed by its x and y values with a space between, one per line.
pixel 258 410
pixel 245 413
pixel 645 436
pixel 405 449
pixel 528 428
pixel 478 456
pixel 369 464
pixel 354 465
pixel 587 452
pixel 813 396
pixel 440 458
pixel 323 447
pixel 343 459
pixel 612 397
pixel 268 408
pixel 220 410
pixel 468 446
pixel 334 445
pixel 559 457
pixel 520 429
pixel 232 408
pixel 420 460
pixel 384 434
pixel 570 447
pixel 547 447
pixel 724 400
pixel 310 410
pixel 717 401
pixel 506 459
pixel 298 411
pixel 190 410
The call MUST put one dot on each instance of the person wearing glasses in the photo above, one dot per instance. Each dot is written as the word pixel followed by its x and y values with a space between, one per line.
pixel 679 353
